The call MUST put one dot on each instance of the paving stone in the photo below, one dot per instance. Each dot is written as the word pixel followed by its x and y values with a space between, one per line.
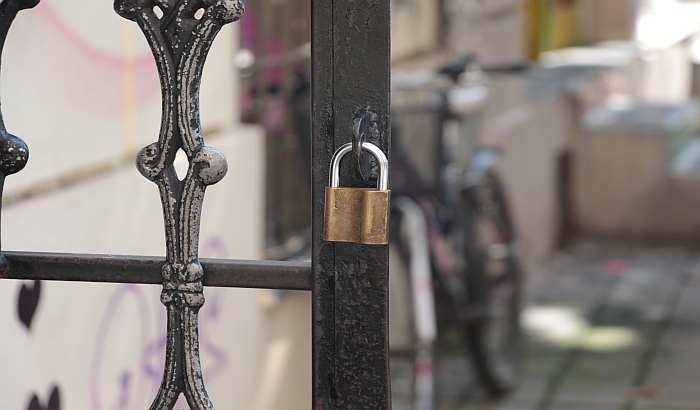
pixel 658 406
pixel 675 371
pixel 455 379
pixel 623 285
pixel 584 404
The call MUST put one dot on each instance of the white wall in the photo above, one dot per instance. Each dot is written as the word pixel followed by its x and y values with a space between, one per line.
pixel 415 27
pixel 85 338
pixel 79 85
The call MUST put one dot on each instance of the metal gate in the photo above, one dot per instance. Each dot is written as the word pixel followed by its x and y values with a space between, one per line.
pixel 350 69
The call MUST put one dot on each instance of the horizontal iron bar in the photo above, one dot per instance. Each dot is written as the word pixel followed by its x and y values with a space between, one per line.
pixel 147 270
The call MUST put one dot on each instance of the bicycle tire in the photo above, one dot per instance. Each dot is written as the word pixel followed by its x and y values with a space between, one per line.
pixel 493 280
pixel 412 362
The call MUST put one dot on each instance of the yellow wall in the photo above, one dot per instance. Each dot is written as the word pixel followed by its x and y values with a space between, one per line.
pixel 552 25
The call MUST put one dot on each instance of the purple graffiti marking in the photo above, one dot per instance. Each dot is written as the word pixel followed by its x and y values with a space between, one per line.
pixel 126 394
pixel 54 402
pixel 27 302
pixel 209 316
pixel 135 386
pixel 214 247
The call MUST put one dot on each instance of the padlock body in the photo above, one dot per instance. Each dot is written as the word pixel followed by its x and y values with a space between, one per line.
pixel 356 215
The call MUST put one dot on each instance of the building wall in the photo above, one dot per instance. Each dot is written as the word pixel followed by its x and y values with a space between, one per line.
pixel 415 27
pixel 79 85
pixel 84 92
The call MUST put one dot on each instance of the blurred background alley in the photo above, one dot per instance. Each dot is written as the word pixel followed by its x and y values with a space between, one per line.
pixel 545 176
pixel 592 106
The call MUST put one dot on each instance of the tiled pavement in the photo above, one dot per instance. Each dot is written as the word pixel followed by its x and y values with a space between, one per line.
pixel 610 326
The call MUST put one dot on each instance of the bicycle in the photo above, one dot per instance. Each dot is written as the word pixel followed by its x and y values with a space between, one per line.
pixel 449 227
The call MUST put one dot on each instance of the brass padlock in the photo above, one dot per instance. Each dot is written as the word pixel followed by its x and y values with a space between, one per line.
pixel 358 215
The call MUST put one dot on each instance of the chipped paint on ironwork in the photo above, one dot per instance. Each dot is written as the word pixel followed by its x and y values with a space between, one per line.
pixel 180 43
pixel 14 153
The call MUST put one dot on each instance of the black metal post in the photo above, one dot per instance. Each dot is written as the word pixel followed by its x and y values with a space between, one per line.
pixel 350 62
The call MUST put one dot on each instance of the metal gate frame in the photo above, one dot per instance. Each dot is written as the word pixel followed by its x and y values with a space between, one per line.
pixel 349 282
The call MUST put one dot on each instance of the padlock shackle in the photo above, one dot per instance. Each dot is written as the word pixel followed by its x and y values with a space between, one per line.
pixel 383 184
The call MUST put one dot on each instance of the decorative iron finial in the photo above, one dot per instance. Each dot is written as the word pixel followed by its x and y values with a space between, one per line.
pixel 14 153
pixel 180 34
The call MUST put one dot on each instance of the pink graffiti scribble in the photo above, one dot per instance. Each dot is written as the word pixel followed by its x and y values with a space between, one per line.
pixel 65 66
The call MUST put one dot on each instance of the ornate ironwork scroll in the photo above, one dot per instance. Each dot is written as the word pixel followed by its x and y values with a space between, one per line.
pixel 180 33
pixel 14 153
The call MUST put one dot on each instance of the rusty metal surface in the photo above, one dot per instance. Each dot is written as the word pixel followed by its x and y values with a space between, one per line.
pixel 180 40
pixel 365 128
pixel 350 63
pixel 147 270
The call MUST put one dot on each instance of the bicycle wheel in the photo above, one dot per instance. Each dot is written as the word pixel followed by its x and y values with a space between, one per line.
pixel 410 336
pixel 493 286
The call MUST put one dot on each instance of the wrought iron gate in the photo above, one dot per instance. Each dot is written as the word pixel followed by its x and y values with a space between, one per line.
pixel 350 63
